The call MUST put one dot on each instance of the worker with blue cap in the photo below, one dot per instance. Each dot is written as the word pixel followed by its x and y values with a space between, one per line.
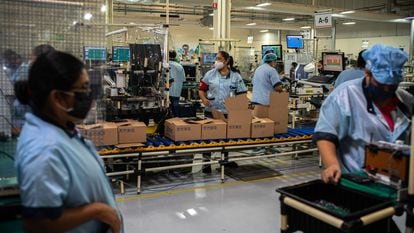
pixel 368 109
pixel 265 80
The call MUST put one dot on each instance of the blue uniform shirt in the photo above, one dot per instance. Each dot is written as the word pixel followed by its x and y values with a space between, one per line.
pixel 58 171
pixel 264 80
pixel 350 119
pixel 178 75
pixel 220 87
pixel 348 75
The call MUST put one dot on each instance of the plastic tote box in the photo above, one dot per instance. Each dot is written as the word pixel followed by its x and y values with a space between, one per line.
pixel 315 207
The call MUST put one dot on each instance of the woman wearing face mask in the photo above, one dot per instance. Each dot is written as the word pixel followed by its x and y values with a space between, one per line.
pixel 365 110
pixel 61 177
pixel 220 83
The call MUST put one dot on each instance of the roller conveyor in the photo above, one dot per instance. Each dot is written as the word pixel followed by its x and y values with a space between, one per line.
pixel 160 143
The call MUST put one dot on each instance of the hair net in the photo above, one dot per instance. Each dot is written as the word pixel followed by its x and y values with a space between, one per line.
pixel 269 57
pixel 385 63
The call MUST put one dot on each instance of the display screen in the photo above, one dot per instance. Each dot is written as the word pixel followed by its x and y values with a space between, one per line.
pixel 208 58
pixel 276 48
pixel 294 42
pixel 333 62
pixel 94 53
pixel 120 53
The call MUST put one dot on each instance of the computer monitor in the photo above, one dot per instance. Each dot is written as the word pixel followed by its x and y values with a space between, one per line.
pixel 208 58
pixel 91 53
pixel 120 53
pixel 190 71
pixel 333 63
pixel 276 48
pixel 294 41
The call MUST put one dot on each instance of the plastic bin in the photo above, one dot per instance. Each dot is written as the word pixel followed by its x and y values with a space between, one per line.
pixel 348 210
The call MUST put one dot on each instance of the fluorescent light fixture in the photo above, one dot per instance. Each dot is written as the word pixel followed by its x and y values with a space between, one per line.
pixel 410 17
pixel 264 4
pixel 211 14
pixel 211 29
pixel 347 12
pixel 132 23
pixel 349 23
pixel 250 39
pixel 103 8
pixel 192 212
pixel 250 24
pixel 264 30
pixel 288 19
pixel 74 22
pixel 87 16
pixel 306 27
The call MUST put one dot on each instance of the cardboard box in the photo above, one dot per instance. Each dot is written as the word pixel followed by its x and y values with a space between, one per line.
pixel 262 128
pixel 215 129
pixel 177 129
pixel 277 111
pixel 131 131
pixel 239 117
pixel 102 134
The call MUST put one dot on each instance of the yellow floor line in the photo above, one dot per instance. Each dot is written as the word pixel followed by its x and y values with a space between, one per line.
pixel 151 195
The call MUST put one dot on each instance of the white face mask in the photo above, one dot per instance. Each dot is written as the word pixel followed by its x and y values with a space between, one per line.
pixel 218 65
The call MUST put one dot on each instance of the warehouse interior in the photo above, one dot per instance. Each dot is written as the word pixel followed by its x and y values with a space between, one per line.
pixel 199 155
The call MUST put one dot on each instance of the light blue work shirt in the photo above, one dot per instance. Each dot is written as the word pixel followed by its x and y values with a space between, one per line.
pixel 348 75
pixel 350 119
pixel 58 171
pixel 264 80
pixel 220 88
pixel 178 75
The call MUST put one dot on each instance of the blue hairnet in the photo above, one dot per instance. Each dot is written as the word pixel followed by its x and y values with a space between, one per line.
pixel 269 57
pixel 266 50
pixel 385 63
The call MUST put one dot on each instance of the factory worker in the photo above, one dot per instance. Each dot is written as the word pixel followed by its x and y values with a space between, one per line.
pixel 62 180
pixel 351 74
pixel 220 83
pixel 265 80
pixel 177 78
pixel 364 110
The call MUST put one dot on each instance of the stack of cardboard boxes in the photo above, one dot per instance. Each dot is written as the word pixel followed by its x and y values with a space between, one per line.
pixel 276 111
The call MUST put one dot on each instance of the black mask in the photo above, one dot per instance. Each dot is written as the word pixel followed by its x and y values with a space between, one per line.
pixel 83 103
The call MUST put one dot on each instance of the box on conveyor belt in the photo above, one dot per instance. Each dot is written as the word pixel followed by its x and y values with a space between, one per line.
pixel 277 111
pixel 178 129
pixel 214 129
pixel 262 128
pixel 239 117
pixel 131 131
pixel 102 134
pixel 326 208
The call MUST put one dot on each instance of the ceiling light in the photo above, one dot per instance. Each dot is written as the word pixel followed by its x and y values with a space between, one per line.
pixel 132 23
pixel 264 4
pixel 211 14
pixel 74 22
pixel 410 17
pixel 87 16
pixel 264 30
pixel 103 8
pixel 349 23
pixel 250 24
pixel 306 27
pixel 211 28
pixel 288 19
pixel 347 12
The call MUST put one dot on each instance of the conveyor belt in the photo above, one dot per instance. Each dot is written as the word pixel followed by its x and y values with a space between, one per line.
pixel 160 143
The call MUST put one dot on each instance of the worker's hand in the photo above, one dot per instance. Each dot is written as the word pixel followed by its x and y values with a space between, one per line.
pixel 206 102
pixel 108 215
pixel 331 174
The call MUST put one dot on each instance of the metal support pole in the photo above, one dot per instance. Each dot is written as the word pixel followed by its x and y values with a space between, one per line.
pixel 412 42
pixel 139 173
pixel 333 35
pixel 222 166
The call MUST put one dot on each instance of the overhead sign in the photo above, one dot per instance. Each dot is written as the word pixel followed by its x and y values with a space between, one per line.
pixel 323 20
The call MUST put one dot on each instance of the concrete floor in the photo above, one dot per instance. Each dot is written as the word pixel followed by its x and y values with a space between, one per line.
pixel 201 204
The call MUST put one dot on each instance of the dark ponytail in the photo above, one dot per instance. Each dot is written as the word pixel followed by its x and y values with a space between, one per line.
pixel 51 71
pixel 230 61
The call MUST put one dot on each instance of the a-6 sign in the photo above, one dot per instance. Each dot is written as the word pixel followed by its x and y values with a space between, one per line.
pixel 323 20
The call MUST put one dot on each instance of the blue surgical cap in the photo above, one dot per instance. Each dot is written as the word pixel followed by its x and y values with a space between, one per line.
pixel 266 50
pixel 269 57
pixel 385 63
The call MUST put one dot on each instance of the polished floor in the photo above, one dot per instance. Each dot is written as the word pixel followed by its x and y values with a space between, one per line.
pixel 196 202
